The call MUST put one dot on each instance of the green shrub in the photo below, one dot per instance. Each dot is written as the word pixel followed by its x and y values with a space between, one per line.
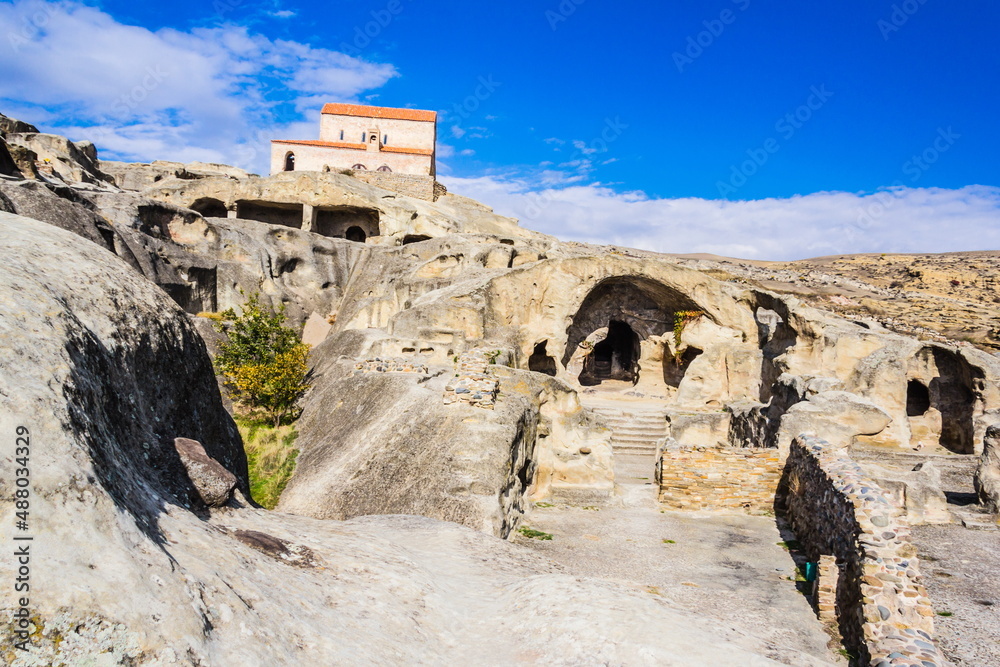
pixel 262 362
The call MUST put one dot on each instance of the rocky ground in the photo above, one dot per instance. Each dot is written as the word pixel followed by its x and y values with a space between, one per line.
pixel 727 567
pixel 960 568
pixel 949 296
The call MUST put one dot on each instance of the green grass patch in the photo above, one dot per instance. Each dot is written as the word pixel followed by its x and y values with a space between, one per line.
pixel 945 613
pixel 271 455
pixel 544 504
pixel 790 545
pixel 534 534
pixel 669 542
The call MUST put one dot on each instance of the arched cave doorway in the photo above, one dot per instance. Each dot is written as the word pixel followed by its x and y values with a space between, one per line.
pixel 623 325
pixel 210 208
pixel 355 233
pixel 942 401
pixel 541 361
pixel 918 398
pixel 290 162
pixel 614 358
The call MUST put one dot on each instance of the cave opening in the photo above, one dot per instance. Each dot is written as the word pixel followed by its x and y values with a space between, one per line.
pixel 541 361
pixel 614 358
pixel 918 398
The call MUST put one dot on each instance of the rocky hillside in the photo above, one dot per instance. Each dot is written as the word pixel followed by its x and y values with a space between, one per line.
pixel 945 297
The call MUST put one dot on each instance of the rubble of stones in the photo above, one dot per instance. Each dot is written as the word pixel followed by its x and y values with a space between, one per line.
pixel 473 383
pixel 378 365
pixel 871 537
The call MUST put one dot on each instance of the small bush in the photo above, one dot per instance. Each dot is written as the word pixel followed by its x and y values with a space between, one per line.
pixel 534 534
pixel 262 362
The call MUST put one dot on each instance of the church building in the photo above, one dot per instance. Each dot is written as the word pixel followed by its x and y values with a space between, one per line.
pixel 363 138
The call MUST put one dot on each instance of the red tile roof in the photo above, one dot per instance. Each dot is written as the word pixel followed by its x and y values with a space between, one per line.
pixel 326 144
pixel 379 112
pixel 358 147
pixel 410 151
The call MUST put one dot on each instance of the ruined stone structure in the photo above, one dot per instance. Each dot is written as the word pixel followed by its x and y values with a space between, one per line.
pixel 881 607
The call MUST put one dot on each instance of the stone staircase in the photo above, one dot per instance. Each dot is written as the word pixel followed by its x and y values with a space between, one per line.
pixel 634 434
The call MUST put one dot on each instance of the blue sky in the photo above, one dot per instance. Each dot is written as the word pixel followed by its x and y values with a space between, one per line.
pixel 742 127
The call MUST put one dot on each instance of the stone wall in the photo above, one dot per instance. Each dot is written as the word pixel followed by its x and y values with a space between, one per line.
pixel 410 185
pixel 883 611
pixel 710 478
pixel 473 382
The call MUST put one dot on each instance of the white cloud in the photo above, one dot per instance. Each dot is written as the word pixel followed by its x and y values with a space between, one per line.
pixel 210 93
pixel 824 223
pixel 457 131
pixel 282 14
pixel 554 140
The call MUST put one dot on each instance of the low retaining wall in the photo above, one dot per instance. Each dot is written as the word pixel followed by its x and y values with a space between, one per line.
pixel 410 185
pixel 709 478
pixel 882 609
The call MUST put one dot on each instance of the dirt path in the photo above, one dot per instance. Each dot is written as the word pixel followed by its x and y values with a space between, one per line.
pixel 727 567
pixel 960 569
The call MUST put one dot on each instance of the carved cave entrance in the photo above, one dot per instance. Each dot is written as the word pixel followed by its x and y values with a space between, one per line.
pixel 942 400
pixel 614 358
pixel 623 327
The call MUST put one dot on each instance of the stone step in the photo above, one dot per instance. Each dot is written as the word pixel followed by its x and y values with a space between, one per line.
pixel 974 521
pixel 628 437
pixel 641 428
pixel 634 450
pixel 638 435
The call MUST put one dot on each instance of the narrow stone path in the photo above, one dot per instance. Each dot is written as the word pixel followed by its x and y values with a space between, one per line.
pixel 727 567
pixel 636 428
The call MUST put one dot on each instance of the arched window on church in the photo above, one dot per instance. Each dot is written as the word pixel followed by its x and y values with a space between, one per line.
pixel 385 168
pixel 360 166
pixel 290 161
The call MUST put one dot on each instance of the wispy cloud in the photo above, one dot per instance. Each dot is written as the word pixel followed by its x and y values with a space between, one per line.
pixel 217 94
pixel 824 223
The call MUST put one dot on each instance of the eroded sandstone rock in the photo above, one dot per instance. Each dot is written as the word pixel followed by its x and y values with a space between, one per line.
pixel 103 371
pixel 213 482
pixel 987 478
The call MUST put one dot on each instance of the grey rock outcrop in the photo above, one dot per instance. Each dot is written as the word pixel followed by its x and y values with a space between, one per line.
pixel 9 125
pixel 987 478
pixel 101 372
pixel 213 482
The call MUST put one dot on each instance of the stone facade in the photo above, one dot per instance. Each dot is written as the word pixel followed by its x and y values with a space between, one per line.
pixel 363 138
pixel 883 611
pixel 410 185
pixel 718 478
pixel 473 383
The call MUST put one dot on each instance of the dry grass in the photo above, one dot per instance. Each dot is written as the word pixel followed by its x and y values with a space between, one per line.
pixel 271 456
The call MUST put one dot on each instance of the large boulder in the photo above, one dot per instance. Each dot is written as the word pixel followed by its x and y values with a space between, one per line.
pixel 839 417
pixel 987 478
pixel 101 372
